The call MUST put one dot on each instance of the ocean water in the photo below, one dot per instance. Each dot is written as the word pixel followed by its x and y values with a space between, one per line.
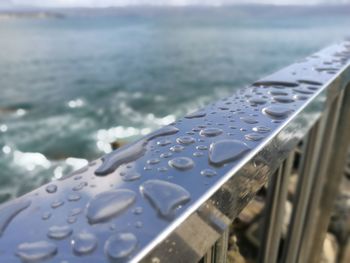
pixel 70 86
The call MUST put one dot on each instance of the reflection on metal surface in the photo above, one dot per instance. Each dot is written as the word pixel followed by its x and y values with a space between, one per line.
pixel 174 192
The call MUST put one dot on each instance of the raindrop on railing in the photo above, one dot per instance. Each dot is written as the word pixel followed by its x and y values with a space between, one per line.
pixel 109 204
pixel 84 243
pixel 226 151
pixel 181 163
pixel 165 196
pixel 120 245
pixel 59 232
pixel 36 251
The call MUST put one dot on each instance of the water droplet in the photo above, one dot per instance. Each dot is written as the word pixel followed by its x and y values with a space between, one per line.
pixel 36 251
pixel 46 215
pixel 197 114
pixel 109 204
pixel 57 203
pixel 197 154
pixel 261 129
pixel 84 243
pixel 130 176
pixel 75 211
pixel 211 132
pixel 278 92
pixel 130 152
pixel 165 196
pixel 208 172
pixel 303 91
pixel 257 100
pixel 120 245
pixel 277 111
pixel 138 224
pixel 51 188
pixel 283 99
pixel 176 148
pixel 309 82
pixel 185 140
pixel 153 161
pixel 166 155
pixel 226 151
pixel 201 147
pixel 254 137
pixel 301 97
pixel 59 232
pixel 163 142
pixel 275 83
pixel 162 169
pixel 249 120
pixel 73 197
pixel 137 210
pixel 79 186
pixel 181 163
pixel 71 219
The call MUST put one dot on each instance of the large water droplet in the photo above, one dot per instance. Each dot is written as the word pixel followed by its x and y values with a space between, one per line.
pixel 254 136
pixel 208 172
pixel 109 204
pixel 176 148
pixel 211 132
pixel 181 163
pixel 257 100
pixel 185 140
pixel 57 203
pixel 73 197
pixel 59 232
pixel 303 91
pixel 276 111
pixel 122 155
pixel 9 212
pixel 275 83
pixel 310 82
pixel 84 243
pixel 130 152
pixel 261 129
pixel 283 99
pixel 249 120
pixel 165 196
pixel 51 188
pixel 36 251
pixel 197 114
pixel 130 176
pixel 120 245
pixel 226 151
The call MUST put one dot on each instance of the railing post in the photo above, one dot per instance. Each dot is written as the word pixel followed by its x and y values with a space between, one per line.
pixel 306 177
pixel 309 228
pixel 274 212
pixel 334 174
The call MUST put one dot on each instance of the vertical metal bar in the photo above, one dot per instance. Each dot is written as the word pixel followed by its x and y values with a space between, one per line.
pixel 221 247
pixel 306 176
pixel 331 118
pixel 208 258
pixel 334 174
pixel 274 212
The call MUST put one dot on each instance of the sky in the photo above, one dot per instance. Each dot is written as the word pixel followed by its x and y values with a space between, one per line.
pixel 108 3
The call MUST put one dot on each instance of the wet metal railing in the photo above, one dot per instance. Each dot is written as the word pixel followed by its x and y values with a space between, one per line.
pixel 171 196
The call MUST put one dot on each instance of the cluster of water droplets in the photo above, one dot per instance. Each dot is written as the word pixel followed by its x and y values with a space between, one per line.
pixel 158 170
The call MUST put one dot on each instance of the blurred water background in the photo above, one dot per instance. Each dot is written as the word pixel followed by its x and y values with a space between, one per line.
pixel 73 82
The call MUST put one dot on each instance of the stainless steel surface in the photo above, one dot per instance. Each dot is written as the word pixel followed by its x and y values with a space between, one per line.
pixel 275 212
pixel 153 202
pixel 307 175
pixel 309 227
pixel 334 173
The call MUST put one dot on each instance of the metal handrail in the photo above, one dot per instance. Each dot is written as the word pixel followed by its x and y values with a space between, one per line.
pixel 170 196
